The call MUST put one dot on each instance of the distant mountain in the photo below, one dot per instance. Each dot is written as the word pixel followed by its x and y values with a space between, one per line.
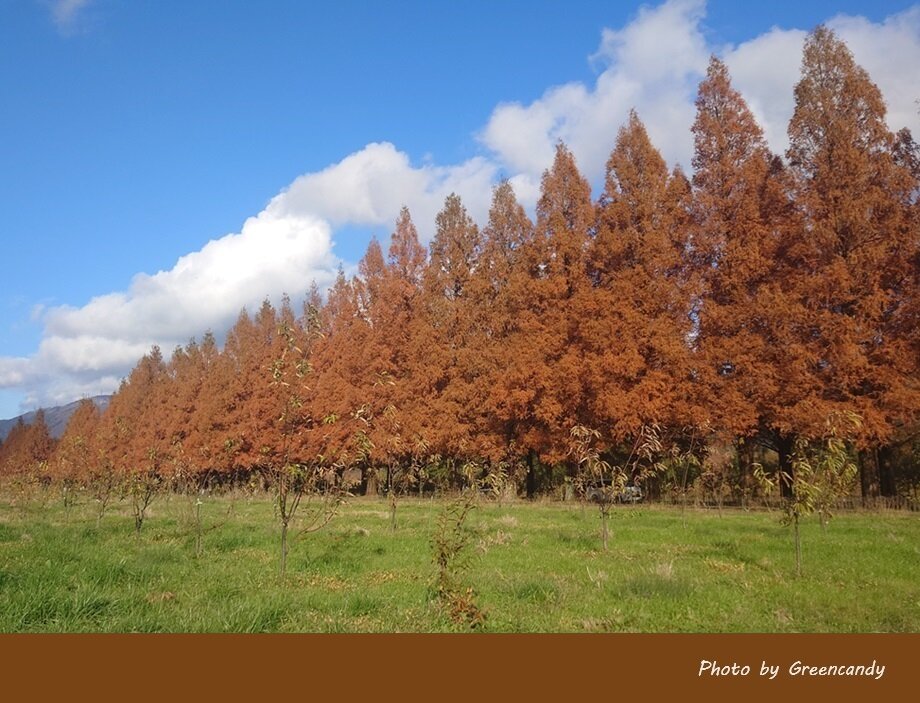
pixel 56 418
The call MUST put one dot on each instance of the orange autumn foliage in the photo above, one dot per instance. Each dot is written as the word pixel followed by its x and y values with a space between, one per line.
pixel 753 299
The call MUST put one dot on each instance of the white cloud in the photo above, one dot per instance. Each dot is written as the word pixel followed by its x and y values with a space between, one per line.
pixel 207 288
pixel 765 70
pixel 370 186
pixel 86 350
pixel 653 64
pixel 14 371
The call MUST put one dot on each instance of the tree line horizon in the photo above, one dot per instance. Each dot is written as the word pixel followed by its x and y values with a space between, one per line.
pixel 760 302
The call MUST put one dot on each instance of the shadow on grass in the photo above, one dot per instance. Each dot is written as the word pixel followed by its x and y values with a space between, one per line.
pixel 657 584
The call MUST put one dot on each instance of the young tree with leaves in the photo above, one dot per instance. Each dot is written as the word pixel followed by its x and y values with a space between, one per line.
pixel 295 475
pixel 823 472
pixel 606 482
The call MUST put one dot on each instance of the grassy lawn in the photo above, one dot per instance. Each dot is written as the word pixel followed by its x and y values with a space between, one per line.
pixel 533 568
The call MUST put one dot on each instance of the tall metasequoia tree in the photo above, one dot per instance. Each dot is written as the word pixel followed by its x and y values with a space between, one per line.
pixel 212 444
pixel 746 362
pixel 544 367
pixel 179 408
pixel 106 446
pixel 317 442
pixel 246 407
pixel 341 354
pixel 368 357
pixel 371 377
pixel 636 321
pixel 242 362
pixel 27 449
pixel 196 373
pixel 499 297
pixel 398 309
pixel 907 318
pixel 446 364
pixel 39 445
pixel 360 358
pixel 137 444
pixel 73 458
pixel 853 252
pixel 265 402
pixel 878 464
pixel 9 449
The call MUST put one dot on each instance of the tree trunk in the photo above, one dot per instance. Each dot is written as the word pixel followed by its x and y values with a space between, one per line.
pixel 784 447
pixel 868 474
pixel 531 481
pixel 197 528
pixel 745 461
pixel 284 548
pixel 605 532
pixel 370 481
pixel 886 478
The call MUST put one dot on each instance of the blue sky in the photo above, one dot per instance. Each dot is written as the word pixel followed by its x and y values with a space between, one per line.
pixel 163 163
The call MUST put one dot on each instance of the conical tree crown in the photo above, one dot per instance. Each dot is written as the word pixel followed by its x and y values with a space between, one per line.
pixel 406 254
pixel 455 249
pixel 838 109
pixel 634 210
pixel 726 137
pixel 371 273
pixel 72 455
pixel 565 215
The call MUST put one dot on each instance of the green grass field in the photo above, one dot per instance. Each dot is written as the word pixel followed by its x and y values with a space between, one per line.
pixel 532 567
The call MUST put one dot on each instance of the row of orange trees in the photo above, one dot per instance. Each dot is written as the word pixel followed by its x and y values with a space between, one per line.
pixel 750 302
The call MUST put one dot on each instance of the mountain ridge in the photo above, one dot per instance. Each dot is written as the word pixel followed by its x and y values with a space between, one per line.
pixel 56 417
